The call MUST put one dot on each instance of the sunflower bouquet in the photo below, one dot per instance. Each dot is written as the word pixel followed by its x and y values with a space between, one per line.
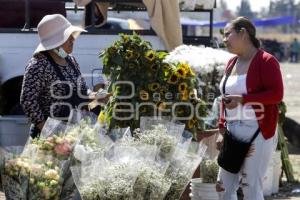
pixel 143 84
pixel 208 64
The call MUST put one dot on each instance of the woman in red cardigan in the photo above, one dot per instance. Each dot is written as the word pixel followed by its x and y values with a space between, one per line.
pixel 252 92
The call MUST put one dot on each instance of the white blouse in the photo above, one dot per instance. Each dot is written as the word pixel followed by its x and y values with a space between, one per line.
pixel 236 85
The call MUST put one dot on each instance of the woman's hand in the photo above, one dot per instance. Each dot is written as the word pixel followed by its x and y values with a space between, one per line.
pixel 232 101
pixel 219 141
pixel 219 187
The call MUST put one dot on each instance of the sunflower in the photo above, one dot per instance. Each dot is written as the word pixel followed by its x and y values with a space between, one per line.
pixel 173 79
pixel 182 87
pixel 191 123
pixel 161 105
pixel 187 69
pixel 144 95
pixel 154 86
pixel 129 54
pixel 184 95
pixel 150 55
pixel 181 72
pixel 101 117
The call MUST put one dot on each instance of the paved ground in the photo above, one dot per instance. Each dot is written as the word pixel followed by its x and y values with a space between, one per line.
pixel 291 76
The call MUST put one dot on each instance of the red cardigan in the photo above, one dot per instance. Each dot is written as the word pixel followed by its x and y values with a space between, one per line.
pixel 264 86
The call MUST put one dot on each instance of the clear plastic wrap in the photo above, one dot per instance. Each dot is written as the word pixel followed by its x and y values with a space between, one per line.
pixel 182 167
pixel 77 116
pixel 40 177
pixel 52 127
pixel 7 153
pixel 162 136
pixel 151 182
pixel 147 123
pixel 117 134
pixel 40 170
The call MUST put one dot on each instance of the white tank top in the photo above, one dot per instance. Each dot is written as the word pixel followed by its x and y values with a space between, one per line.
pixel 236 85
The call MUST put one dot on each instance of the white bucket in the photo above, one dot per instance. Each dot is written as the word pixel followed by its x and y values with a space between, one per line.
pixel 206 191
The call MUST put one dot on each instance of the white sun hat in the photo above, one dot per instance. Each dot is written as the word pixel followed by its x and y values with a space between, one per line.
pixel 54 30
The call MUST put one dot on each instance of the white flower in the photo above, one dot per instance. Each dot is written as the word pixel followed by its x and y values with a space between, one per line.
pixel 80 153
pixel 52 174
pixel 201 59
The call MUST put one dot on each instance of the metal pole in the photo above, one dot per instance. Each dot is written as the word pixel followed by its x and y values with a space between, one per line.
pixel 211 20
pixel 27 15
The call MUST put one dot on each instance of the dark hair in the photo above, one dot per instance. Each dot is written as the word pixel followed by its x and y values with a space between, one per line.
pixel 242 22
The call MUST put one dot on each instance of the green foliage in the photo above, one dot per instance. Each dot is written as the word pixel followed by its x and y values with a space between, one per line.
pixel 282 112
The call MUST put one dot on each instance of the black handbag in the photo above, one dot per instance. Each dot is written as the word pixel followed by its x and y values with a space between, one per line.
pixel 233 151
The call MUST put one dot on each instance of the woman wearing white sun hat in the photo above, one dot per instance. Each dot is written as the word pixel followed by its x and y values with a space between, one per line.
pixel 52 83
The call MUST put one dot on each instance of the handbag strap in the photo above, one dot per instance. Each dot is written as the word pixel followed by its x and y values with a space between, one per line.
pixel 226 78
pixel 255 135
pixel 224 92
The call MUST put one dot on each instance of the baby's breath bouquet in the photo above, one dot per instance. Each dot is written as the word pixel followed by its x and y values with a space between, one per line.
pixel 209 171
pixel 143 84
pixel 159 136
pixel 150 164
pixel 182 167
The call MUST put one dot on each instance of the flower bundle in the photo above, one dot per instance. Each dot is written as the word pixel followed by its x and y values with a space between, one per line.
pixel 40 170
pixel 113 182
pixel 24 178
pixel 209 171
pixel 56 146
pixel 182 167
pixel 149 165
pixel 160 137
pixel 208 63
pixel 143 84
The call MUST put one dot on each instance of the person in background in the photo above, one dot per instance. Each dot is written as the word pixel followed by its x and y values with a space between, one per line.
pixel 295 48
pixel 53 84
pixel 250 103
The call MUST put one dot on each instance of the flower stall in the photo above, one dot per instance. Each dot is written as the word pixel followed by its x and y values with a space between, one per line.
pixel 154 158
